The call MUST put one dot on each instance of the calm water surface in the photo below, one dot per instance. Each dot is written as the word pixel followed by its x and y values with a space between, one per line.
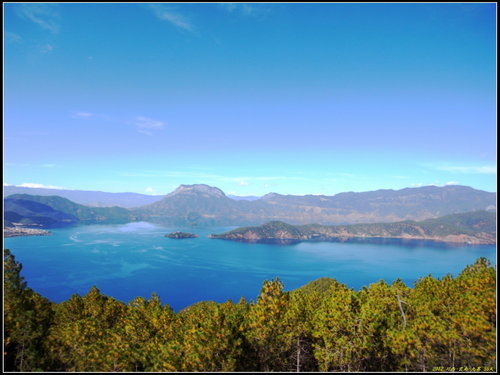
pixel 135 259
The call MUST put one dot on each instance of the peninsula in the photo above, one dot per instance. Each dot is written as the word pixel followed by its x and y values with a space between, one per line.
pixel 474 228
pixel 16 231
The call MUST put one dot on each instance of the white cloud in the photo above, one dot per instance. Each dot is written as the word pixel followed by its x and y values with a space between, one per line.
pixel 47 48
pixel 44 15
pixel 12 37
pixel 245 9
pixel 439 184
pixel 209 177
pixel 146 125
pixel 418 184
pixel 40 186
pixel 485 169
pixel 84 114
pixel 149 190
pixel 174 17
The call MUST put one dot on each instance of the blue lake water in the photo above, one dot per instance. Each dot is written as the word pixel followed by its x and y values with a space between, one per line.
pixel 135 259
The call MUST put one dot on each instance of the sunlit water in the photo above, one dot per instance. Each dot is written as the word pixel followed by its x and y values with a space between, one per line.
pixel 135 259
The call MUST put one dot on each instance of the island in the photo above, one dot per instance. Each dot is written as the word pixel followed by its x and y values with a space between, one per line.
pixel 473 228
pixel 180 235
pixel 16 231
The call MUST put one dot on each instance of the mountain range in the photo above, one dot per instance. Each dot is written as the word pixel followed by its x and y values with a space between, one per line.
pixel 205 205
pixel 87 197
pixel 99 198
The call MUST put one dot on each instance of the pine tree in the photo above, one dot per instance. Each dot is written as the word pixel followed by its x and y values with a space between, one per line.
pixel 383 308
pixel 298 320
pixel 211 337
pixel 266 328
pixel 27 317
pixel 335 322
pixel 81 337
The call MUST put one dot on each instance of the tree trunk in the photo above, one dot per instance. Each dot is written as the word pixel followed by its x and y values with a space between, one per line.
pixel 298 354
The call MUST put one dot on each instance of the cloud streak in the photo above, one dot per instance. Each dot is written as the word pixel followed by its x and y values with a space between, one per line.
pixel 146 125
pixel 40 186
pixel 84 114
pixel 143 124
pixel 44 15
pixel 173 17
pixel 250 10
pixel 484 169
pixel 46 48
pixel 208 177
pixel 12 37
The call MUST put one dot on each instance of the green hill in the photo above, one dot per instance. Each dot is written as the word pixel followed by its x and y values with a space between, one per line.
pixel 82 213
pixel 473 228
pixel 26 212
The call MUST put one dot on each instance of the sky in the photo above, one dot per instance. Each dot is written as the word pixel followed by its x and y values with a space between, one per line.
pixel 251 98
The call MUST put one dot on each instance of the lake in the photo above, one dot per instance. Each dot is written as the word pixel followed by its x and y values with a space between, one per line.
pixel 130 260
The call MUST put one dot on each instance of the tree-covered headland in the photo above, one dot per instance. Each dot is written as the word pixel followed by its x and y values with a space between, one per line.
pixel 439 324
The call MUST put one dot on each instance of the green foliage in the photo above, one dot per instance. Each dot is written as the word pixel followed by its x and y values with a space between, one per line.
pixel 265 327
pixel 335 327
pixel 321 285
pixel 322 326
pixel 27 317
pixel 82 337
pixel 211 337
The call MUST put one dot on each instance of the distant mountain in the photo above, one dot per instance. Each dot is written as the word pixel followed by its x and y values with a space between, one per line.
pixel 27 212
pixel 389 205
pixel 472 228
pixel 192 205
pixel 18 204
pixel 206 205
pixel 88 198
pixel 243 198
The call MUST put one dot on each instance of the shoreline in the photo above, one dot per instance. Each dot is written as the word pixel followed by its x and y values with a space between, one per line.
pixel 22 231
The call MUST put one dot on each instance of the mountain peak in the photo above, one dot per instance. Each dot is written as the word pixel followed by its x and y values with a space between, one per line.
pixel 271 196
pixel 198 189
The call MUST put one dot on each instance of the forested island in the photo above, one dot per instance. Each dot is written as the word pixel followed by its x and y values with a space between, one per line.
pixel 180 235
pixel 440 324
pixel 475 228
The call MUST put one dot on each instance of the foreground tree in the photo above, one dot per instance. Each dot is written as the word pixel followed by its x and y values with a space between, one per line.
pixel 335 322
pixel 82 336
pixel 383 308
pixel 266 329
pixel 209 336
pixel 145 337
pixel 325 326
pixel 27 317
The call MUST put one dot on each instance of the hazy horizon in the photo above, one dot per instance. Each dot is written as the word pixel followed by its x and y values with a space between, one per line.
pixel 251 98
pixel 38 186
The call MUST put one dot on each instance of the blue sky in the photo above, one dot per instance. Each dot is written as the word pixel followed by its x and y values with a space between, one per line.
pixel 251 98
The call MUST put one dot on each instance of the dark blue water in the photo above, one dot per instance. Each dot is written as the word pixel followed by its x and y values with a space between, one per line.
pixel 135 259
